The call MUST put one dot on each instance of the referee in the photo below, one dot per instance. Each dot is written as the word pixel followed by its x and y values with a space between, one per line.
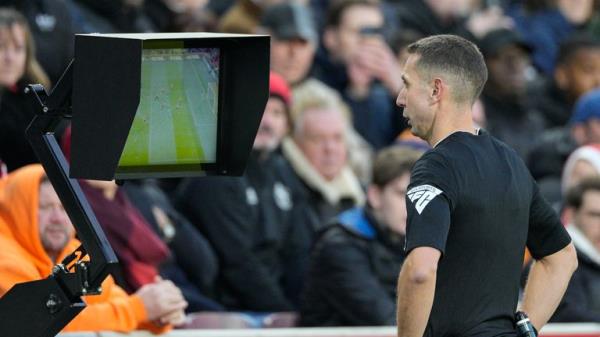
pixel 472 209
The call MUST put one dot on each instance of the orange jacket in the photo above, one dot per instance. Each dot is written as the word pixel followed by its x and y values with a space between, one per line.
pixel 23 258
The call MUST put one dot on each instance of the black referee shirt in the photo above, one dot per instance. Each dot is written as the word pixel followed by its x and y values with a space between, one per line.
pixel 473 199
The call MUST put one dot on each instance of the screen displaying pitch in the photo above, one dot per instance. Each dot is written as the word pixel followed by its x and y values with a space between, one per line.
pixel 176 120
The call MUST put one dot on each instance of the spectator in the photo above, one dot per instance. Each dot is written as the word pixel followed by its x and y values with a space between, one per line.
pixel 357 62
pixel 293 44
pixel 36 234
pixel 577 72
pixel 585 121
pixel 256 223
pixel 509 116
pixel 51 29
pixel 18 67
pixel 357 258
pixel 546 24
pixel 318 154
pixel 581 302
pixel 463 17
pixel 551 151
pixel 139 250
pixel 194 267
pixel 293 40
pixel 360 153
pixel 582 163
pixel 142 253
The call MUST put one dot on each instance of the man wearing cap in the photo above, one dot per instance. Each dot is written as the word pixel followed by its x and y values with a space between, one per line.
pixel 293 40
pixel 585 122
pixel 253 221
pixel 508 114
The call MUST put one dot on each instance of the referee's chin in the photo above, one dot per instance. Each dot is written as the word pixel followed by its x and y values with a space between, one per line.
pixel 416 132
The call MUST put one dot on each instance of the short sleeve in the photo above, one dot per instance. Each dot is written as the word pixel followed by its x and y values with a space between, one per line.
pixel 546 234
pixel 429 201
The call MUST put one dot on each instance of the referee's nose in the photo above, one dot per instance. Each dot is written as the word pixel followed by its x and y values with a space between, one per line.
pixel 401 99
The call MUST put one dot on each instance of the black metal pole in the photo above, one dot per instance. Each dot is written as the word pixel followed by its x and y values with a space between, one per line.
pixel 43 308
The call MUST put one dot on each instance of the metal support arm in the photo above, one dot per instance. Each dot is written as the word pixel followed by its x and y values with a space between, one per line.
pixel 43 308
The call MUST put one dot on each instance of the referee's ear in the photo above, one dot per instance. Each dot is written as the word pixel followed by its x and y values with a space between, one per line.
pixel 438 90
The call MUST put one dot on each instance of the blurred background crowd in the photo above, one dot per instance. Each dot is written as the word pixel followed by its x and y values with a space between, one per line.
pixel 315 227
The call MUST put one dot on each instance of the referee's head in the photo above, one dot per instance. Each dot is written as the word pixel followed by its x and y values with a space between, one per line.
pixel 442 77
pixel 457 60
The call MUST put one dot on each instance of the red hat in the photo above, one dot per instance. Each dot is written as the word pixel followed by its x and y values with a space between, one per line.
pixel 278 87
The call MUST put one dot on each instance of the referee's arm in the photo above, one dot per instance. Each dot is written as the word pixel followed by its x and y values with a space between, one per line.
pixel 546 285
pixel 555 261
pixel 427 227
pixel 416 289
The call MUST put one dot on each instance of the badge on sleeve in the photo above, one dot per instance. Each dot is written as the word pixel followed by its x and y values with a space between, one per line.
pixel 421 195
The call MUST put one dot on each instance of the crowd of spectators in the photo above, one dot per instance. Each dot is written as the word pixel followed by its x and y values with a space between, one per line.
pixel 315 226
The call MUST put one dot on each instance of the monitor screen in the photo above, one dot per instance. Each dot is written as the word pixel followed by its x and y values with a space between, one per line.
pixel 166 104
pixel 176 121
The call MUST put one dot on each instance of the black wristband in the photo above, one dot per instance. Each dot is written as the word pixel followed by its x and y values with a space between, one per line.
pixel 524 326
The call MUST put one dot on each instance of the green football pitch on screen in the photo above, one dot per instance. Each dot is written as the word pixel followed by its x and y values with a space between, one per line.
pixel 176 120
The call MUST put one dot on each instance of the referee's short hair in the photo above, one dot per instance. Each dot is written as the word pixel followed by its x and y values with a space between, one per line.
pixel 392 162
pixel 574 197
pixel 455 57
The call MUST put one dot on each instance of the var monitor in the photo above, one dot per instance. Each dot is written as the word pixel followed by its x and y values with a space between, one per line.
pixel 162 105
pixel 176 121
